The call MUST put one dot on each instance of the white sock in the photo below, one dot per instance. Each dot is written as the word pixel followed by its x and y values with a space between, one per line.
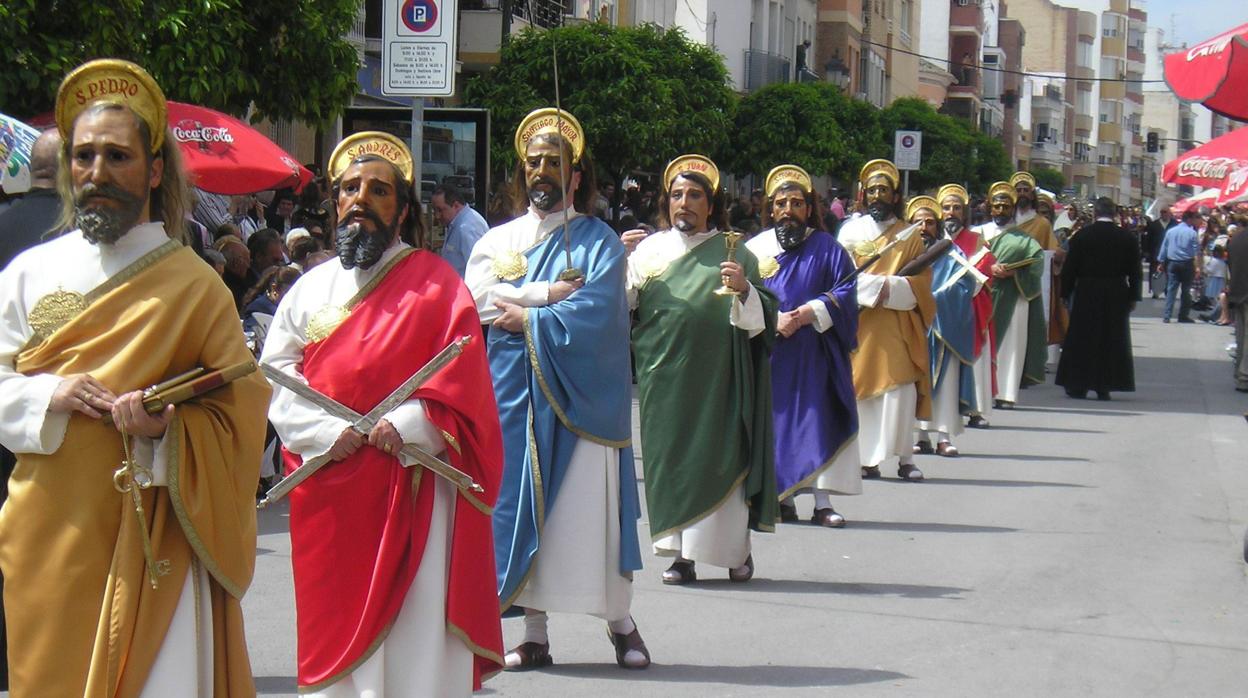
pixel 942 436
pixel 535 627
pixel 622 626
pixel 822 501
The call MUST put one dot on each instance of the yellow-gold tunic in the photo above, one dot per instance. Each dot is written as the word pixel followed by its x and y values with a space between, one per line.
pixel 82 618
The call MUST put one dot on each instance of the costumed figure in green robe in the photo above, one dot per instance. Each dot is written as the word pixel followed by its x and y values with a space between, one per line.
pixel 705 325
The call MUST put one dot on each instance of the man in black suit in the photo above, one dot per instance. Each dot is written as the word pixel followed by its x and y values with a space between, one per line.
pixel 23 224
pixel 1100 282
pixel 1156 232
pixel 1237 303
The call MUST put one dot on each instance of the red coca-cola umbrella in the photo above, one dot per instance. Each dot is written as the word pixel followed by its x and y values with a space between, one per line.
pixel 1222 163
pixel 1214 72
pixel 225 155
pixel 1207 197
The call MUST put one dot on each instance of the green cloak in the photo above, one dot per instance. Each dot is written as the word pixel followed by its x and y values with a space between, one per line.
pixel 705 392
pixel 1013 245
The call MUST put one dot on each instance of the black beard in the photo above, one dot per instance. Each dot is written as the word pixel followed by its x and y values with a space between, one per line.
pixel 1023 202
pixel 790 233
pixel 951 226
pixel 357 248
pixel 880 211
pixel 683 225
pixel 1002 220
pixel 104 224
pixel 545 200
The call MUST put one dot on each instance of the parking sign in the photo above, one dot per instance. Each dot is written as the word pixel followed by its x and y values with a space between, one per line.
pixel 907 149
pixel 418 48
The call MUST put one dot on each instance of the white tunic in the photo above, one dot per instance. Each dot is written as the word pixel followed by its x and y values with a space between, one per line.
pixel 577 567
pixel 184 663
pixel 886 421
pixel 722 537
pixel 419 657
pixel 842 475
pixel 1012 352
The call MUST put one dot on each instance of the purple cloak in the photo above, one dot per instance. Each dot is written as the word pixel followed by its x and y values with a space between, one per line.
pixel 812 380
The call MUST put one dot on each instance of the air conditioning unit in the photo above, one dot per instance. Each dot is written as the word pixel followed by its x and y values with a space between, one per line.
pixel 963 3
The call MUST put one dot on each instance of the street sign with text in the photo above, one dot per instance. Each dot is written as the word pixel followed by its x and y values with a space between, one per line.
pixel 418 48
pixel 907 147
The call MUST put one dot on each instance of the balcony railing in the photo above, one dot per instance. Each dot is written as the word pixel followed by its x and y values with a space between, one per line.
pixel 763 69
pixel 357 34
pixel 546 13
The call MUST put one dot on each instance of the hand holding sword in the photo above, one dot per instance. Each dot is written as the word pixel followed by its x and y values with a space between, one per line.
pixel 363 424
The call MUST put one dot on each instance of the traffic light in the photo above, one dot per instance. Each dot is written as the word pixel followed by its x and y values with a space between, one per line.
pixel 1152 142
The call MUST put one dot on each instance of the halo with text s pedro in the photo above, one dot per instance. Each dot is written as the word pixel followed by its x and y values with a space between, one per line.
pixel 550 120
pixel 781 175
pixel 700 164
pixel 953 190
pixel 1022 177
pixel 1002 188
pixel 879 167
pixel 112 81
pixel 383 145
pixel 922 202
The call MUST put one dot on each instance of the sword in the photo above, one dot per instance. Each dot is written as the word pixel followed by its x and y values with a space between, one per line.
pixel 365 423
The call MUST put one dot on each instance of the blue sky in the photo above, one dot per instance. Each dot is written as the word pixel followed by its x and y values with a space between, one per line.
pixel 1196 20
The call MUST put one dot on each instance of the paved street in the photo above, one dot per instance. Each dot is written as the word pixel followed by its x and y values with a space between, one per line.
pixel 1077 548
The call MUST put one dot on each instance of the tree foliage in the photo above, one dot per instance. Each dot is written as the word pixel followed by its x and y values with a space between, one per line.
pixel 644 95
pixel 290 59
pixel 1049 178
pixel 812 125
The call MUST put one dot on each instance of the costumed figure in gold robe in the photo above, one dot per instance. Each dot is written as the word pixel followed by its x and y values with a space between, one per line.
pixel 891 374
pixel 128 538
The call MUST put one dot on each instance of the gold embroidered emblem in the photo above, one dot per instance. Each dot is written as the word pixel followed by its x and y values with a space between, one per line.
pixel 325 321
pixel 54 310
pixel 510 265
pixel 451 441
pixel 650 265
pixel 768 267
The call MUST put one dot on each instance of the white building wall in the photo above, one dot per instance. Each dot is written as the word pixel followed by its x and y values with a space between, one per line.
pixel 934 31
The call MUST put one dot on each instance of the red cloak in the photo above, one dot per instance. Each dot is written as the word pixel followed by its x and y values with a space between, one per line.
pixel 970 243
pixel 358 527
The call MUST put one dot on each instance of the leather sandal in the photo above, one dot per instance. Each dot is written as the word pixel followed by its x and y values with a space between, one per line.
pixel 977 421
pixel 743 573
pixel 871 472
pixel 788 513
pixel 909 472
pixel 946 449
pixel 624 643
pixel 924 446
pixel 527 656
pixel 681 572
pixel 828 518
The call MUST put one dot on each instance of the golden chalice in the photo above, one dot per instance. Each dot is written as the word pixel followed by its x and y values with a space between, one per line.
pixel 731 240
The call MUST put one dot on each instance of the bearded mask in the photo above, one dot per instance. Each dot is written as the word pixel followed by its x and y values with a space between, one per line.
pixel 545 199
pixel 951 226
pixel 790 233
pixel 106 224
pixel 358 248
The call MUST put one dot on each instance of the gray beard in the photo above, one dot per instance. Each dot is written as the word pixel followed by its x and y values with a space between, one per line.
pixel 683 226
pixel 951 226
pixel 103 224
pixel 357 248
pixel 545 200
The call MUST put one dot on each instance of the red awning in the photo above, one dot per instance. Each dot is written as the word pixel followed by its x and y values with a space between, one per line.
pixel 1214 72
pixel 1222 163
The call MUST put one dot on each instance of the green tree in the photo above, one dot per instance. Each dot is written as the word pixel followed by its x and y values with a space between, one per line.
pixel 644 95
pixel 812 125
pixel 991 164
pixel 947 153
pixel 290 59
pixel 1049 178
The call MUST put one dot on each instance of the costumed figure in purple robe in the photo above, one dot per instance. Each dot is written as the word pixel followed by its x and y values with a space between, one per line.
pixel 816 416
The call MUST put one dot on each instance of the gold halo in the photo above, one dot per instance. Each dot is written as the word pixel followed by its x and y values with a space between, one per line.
pixel 786 174
pixel 919 202
pixel 384 145
pixel 1002 188
pixel 1020 176
pixel 879 166
pixel 112 81
pixel 550 120
pixel 691 163
pixel 953 190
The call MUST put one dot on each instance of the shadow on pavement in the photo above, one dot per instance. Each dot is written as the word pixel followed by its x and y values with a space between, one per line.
pixel 276 685
pixel 806 586
pixel 771 675
pixel 996 483
pixel 1060 430
pixel 924 527
pixel 276 520
pixel 1025 456
pixel 1073 410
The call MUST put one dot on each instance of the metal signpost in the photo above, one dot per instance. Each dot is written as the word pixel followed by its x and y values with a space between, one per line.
pixel 907 154
pixel 418 59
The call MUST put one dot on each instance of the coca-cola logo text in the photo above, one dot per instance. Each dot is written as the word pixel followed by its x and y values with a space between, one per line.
pixel 209 139
pixel 1207 168
pixel 1209 48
